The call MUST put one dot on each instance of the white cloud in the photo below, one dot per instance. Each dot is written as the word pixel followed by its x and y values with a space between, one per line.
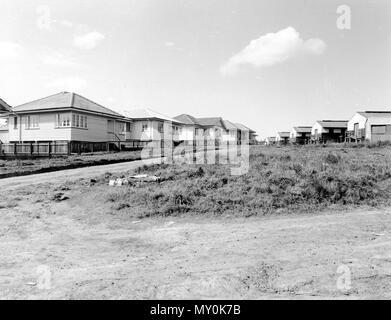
pixel 169 44
pixel 57 59
pixel 74 83
pixel 272 49
pixel 9 50
pixel 88 41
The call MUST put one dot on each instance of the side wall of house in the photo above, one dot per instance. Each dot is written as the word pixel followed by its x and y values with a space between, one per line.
pixel 376 137
pixel 98 130
pixel 152 133
pixel 4 136
pixel 47 130
pixel 318 127
pixel 357 118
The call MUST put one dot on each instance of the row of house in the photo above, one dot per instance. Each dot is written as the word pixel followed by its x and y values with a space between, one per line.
pixel 70 117
pixel 371 126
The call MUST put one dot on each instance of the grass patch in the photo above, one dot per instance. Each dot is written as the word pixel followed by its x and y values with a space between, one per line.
pixel 287 179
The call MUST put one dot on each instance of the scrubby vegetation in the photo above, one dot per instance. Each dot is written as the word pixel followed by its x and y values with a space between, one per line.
pixel 285 179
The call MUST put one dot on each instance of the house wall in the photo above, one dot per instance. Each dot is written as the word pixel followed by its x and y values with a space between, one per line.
pixel 318 127
pixel 188 133
pixel 293 134
pixel 367 123
pixel 230 136
pixel 4 136
pixel 357 118
pixel 98 130
pixel 47 130
pixel 152 133
pixel 378 137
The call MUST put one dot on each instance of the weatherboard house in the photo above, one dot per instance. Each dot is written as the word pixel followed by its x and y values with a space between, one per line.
pixel 152 128
pixel 282 138
pixel 5 110
pixel 300 135
pixel 372 126
pixel 324 131
pixel 270 141
pixel 214 130
pixel 66 117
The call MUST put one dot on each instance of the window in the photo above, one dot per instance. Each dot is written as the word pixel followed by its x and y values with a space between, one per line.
pixel 378 129
pixel 15 122
pixel 121 127
pixel 32 122
pixel 63 120
pixel 337 130
pixel 78 121
pixel 232 133
pixel 197 131
pixel 144 127
pixel 176 130
pixel 160 127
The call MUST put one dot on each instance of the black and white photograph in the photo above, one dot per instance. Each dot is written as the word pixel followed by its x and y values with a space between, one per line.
pixel 195 150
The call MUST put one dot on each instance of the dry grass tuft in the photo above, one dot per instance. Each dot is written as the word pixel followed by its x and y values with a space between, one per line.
pixel 291 179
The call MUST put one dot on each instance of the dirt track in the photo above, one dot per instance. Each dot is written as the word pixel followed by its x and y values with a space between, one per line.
pixel 63 175
pixel 101 255
pixel 66 250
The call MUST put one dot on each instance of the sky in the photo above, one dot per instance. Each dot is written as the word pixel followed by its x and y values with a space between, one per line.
pixel 270 65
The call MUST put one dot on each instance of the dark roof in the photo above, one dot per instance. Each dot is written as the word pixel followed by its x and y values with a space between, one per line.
pixel 64 100
pixel 186 119
pixel 302 129
pixel 205 122
pixel 229 125
pixel 4 107
pixel 208 122
pixel 145 114
pixel 368 114
pixel 333 123
pixel 284 134
pixel 214 121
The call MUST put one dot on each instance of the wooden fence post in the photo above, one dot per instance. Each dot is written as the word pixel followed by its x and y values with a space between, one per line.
pixel 49 148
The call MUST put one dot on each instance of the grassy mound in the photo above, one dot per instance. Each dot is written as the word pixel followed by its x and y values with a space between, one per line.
pixel 279 180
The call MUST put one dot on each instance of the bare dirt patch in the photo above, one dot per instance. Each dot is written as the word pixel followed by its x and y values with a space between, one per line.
pixel 99 249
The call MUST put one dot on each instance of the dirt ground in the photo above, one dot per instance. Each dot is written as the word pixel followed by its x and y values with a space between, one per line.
pixel 76 248
pixel 12 168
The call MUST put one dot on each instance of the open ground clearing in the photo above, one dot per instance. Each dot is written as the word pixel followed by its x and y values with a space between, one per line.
pixel 98 246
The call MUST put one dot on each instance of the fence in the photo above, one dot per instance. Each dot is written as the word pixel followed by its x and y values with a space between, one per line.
pixel 34 149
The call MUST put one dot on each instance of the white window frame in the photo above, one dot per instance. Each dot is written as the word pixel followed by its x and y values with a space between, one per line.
pixel 30 123
pixel 144 127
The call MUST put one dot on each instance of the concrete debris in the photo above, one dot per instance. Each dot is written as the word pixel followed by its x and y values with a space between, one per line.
pixel 139 178
pixel 145 178
pixel 58 197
